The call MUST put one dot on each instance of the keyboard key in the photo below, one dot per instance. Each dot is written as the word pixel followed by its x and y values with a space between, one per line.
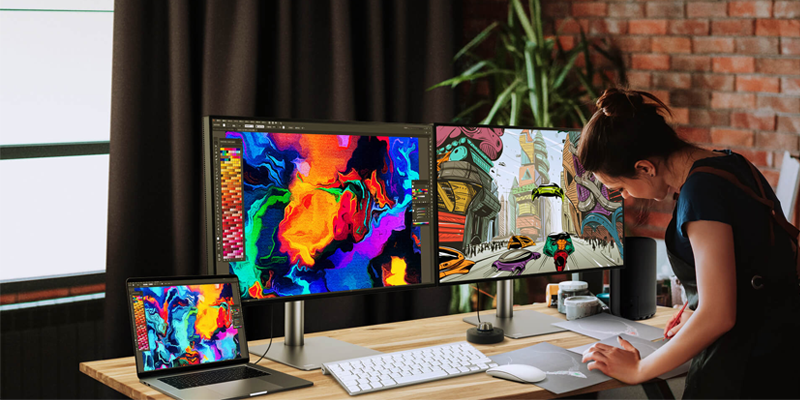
pixel 422 377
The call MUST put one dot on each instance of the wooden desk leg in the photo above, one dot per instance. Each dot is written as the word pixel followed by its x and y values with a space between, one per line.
pixel 658 389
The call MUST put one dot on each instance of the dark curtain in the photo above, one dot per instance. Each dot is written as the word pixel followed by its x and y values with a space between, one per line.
pixel 177 60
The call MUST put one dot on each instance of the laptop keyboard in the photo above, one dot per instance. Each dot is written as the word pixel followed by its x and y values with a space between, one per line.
pixel 211 377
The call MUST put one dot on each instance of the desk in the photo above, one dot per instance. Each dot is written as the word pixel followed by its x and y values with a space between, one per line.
pixel 120 373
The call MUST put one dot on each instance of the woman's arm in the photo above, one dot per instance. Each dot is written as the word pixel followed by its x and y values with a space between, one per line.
pixel 712 244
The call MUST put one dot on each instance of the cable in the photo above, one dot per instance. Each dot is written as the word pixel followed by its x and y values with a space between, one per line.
pixel 271 306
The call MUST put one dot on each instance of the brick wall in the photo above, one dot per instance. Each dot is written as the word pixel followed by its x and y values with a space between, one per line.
pixel 730 71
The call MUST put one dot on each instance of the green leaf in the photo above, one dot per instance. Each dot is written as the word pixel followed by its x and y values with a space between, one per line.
pixel 523 20
pixel 565 70
pixel 501 101
pixel 476 41
pixel 471 109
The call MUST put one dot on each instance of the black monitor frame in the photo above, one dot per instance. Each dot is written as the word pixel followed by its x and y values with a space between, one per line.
pixel 506 278
pixel 369 127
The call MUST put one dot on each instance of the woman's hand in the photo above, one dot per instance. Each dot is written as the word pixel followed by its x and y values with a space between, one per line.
pixel 621 364
pixel 684 317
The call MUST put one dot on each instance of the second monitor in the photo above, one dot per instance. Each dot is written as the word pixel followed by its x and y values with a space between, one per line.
pixel 516 202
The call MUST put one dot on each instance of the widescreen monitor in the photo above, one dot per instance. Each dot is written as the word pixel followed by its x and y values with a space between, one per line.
pixel 516 202
pixel 309 209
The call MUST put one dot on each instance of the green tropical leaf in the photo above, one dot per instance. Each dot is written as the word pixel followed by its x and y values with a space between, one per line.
pixel 476 41
pixel 501 101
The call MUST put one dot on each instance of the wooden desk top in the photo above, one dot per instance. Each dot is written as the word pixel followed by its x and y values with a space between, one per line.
pixel 120 373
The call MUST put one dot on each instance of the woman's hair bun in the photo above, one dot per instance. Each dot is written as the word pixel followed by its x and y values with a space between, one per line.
pixel 626 103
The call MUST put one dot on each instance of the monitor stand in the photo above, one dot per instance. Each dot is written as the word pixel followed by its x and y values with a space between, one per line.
pixel 519 324
pixel 307 353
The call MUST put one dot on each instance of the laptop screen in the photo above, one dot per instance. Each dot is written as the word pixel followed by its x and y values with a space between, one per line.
pixel 179 322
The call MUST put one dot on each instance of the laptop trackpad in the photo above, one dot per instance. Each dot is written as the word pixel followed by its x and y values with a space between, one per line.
pixel 244 387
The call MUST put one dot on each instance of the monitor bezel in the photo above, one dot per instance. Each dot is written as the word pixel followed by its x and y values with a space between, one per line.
pixel 506 278
pixel 243 344
pixel 208 201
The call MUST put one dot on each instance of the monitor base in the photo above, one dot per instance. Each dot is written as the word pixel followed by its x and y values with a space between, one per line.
pixel 524 323
pixel 313 353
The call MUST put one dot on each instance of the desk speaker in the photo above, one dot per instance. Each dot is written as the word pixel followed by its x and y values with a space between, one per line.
pixel 633 289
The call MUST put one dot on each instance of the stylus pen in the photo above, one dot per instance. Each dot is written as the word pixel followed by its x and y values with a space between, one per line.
pixel 675 321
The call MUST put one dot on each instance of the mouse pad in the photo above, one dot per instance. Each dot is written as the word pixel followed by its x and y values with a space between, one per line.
pixel 601 326
pixel 645 348
pixel 564 369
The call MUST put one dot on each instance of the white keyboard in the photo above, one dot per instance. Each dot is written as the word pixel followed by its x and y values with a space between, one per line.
pixel 403 368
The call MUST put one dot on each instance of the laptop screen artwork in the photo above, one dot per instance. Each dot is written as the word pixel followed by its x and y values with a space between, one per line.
pixel 182 325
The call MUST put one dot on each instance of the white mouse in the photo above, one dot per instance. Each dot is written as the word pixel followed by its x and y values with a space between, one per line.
pixel 518 372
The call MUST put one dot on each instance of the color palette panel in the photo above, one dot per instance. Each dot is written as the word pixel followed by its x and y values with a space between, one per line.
pixel 231 186
pixel 142 343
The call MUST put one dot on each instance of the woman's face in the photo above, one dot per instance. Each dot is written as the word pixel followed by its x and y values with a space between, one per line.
pixel 640 187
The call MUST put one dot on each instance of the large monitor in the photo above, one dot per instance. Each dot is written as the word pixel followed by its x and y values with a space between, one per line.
pixel 300 210
pixel 516 202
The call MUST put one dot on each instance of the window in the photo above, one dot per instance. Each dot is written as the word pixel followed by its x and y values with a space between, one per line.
pixel 55 104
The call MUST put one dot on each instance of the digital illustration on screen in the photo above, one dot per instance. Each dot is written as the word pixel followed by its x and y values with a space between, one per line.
pixel 518 202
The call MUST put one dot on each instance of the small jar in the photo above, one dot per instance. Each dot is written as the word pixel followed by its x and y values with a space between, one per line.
pixel 569 289
pixel 581 307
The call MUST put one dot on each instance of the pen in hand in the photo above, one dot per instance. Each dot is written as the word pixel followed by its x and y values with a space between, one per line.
pixel 675 321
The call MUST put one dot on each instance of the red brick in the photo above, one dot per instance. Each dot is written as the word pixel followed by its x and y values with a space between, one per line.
pixel 692 27
pixel 757 45
pixel 688 98
pixel 650 61
pixel 10 298
pixel 778 66
pixel 777 27
pixel 694 135
pixel 780 104
pixel 567 42
pixel 632 44
pixel 733 64
pixel 680 115
pixel 750 83
pixel 706 9
pixel 626 10
pixel 640 80
pixel 732 27
pixel 555 9
pixel 790 46
pixel 671 9
pixel 712 45
pixel 790 85
pixel 788 123
pixel 786 9
pixel 733 100
pixel 571 26
pixel 605 26
pixel 758 120
pixel 771 176
pixel 589 9
pixel 87 289
pixel 691 63
pixel 732 137
pixel 672 80
pixel 647 26
pixel 778 141
pixel 713 81
pixel 750 9
pixel 671 44
pixel 777 158
pixel 662 95
pixel 709 117
pixel 758 158
pixel 42 295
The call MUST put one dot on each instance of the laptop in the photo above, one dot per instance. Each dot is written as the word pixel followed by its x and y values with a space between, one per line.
pixel 189 340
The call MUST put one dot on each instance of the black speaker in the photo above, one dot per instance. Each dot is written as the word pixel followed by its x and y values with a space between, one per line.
pixel 633 288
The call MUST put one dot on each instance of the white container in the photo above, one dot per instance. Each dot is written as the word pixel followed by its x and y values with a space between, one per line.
pixel 581 307
pixel 569 289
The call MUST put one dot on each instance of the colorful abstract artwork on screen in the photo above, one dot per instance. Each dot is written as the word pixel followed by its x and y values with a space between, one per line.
pixel 326 213
pixel 188 325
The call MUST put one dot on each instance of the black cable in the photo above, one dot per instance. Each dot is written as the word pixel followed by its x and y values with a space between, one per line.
pixel 271 306
pixel 478 307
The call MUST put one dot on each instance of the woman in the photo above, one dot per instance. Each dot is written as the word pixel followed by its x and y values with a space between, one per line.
pixel 736 260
